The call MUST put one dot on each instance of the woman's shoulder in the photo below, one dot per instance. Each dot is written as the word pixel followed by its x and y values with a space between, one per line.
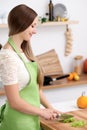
pixel 7 54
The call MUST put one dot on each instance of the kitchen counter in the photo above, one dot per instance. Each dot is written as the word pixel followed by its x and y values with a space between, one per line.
pixel 55 125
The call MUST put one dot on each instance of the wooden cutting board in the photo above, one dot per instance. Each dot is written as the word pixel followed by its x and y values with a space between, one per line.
pixel 50 63
pixel 55 125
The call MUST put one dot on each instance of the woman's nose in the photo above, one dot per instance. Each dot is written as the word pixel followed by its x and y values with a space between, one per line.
pixel 34 31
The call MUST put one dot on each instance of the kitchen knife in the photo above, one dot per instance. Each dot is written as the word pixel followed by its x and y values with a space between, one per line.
pixel 63 117
pixel 63 76
pixel 60 77
pixel 49 80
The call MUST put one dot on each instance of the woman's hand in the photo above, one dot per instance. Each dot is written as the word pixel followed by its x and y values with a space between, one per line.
pixel 49 114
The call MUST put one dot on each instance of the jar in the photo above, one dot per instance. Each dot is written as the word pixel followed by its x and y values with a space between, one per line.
pixel 78 64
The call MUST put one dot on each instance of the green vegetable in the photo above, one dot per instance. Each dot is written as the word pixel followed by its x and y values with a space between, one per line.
pixel 78 123
pixel 66 118
pixel 71 119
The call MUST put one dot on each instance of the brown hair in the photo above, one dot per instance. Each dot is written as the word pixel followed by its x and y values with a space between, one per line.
pixel 19 19
pixel 0 46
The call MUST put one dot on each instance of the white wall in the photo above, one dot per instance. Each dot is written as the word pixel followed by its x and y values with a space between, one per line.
pixel 53 37
pixel 65 94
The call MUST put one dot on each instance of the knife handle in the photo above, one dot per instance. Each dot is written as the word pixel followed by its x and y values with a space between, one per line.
pixel 61 77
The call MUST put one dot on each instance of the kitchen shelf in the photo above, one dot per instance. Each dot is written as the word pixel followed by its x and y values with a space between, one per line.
pixel 3 26
pixel 65 83
pixel 58 23
pixel 47 24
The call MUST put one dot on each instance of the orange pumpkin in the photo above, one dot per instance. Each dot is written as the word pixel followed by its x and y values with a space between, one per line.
pixel 82 101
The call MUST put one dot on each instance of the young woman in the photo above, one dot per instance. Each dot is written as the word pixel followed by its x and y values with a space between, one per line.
pixel 22 76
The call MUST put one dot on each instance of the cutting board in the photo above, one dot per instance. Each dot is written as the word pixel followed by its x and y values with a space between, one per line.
pixel 50 63
pixel 55 125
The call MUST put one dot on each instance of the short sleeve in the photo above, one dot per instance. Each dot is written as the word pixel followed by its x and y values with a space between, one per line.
pixel 8 68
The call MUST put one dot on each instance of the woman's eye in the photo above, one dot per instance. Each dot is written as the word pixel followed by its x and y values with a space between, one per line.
pixel 32 26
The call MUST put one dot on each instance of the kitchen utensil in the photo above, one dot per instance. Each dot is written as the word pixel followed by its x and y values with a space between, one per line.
pixel 49 80
pixel 63 76
pixel 58 78
pixel 64 117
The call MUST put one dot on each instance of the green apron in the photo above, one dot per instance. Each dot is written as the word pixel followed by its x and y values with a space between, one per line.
pixel 13 120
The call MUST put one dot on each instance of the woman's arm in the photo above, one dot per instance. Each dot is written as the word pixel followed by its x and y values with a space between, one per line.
pixel 44 101
pixel 17 103
pixel 46 104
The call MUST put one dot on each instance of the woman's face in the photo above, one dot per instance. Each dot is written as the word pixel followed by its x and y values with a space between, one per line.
pixel 27 34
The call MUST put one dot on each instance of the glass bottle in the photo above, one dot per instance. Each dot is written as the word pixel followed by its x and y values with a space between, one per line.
pixel 50 11
pixel 78 64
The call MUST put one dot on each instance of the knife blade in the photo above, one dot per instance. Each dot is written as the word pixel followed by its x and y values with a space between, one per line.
pixel 62 117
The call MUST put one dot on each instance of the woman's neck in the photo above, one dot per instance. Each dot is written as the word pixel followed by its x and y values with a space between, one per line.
pixel 17 41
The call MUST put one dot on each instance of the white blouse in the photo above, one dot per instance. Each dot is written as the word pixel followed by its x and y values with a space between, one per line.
pixel 12 68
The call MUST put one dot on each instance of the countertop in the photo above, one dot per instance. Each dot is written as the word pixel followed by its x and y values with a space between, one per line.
pixel 55 125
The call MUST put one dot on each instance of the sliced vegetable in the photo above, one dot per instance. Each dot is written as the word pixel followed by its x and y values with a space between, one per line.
pixel 70 119
pixel 65 118
pixel 78 123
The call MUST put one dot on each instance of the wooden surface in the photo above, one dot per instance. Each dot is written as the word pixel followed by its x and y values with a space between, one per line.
pixel 57 23
pixel 50 63
pixel 55 125
pixel 48 24
pixel 65 83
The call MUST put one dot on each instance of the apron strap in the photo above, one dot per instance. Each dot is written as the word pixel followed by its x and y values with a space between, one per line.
pixel 19 54
pixel 15 48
